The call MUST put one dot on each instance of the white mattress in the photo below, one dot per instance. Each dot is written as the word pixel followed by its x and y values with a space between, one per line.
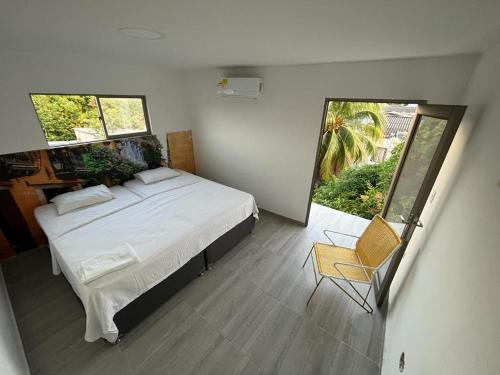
pixel 165 230
pixel 143 190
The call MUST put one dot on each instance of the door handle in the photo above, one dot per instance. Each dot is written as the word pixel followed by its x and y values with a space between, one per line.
pixel 415 221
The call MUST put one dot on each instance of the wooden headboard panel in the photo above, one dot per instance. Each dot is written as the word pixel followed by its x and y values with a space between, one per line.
pixel 180 151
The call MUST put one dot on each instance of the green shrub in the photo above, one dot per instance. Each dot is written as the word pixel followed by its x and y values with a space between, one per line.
pixel 151 150
pixel 104 162
pixel 360 191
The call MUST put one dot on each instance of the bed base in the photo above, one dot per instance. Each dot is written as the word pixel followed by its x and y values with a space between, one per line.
pixel 222 245
pixel 140 308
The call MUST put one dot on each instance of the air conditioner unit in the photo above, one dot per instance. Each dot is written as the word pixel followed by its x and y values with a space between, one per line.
pixel 240 87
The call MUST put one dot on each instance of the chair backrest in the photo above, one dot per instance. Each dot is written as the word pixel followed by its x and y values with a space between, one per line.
pixel 376 243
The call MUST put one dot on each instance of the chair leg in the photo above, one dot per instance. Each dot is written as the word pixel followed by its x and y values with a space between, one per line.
pixel 314 291
pixel 312 263
pixel 363 298
pixel 366 297
pixel 308 255
pixel 360 295
pixel 314 269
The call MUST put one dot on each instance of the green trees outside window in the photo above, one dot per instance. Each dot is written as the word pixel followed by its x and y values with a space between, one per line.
pixel 67 119
pixel 59 115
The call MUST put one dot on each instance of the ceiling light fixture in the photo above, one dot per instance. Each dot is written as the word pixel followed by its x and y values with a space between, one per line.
pixel 139 33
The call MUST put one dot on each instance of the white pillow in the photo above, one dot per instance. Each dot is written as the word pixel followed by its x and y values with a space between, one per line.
pixel 81 198
pixel 154 175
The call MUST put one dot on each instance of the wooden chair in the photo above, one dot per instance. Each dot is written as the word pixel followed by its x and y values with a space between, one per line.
pixel 373 248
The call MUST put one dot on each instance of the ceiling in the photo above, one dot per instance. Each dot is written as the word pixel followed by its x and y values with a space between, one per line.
pixel 209 33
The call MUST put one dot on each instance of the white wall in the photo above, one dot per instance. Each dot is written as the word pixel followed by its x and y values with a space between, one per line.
pixel 12 358
pixel 268 147
pixel 22 73
pixel 444 303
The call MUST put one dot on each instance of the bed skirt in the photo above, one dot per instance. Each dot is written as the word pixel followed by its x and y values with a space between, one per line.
pixel 144 305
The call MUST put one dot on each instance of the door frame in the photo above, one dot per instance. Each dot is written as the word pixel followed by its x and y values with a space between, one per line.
pixel 323 119
pixel 453 114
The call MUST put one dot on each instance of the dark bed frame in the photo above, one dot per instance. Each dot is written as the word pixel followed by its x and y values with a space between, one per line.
pixel 140 308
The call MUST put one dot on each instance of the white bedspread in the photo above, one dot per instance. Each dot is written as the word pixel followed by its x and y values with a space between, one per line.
pixel 147 190
pixel 166 230
pixel 55 225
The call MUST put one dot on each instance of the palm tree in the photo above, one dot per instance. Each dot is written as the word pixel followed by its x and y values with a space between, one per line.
pixel 350 135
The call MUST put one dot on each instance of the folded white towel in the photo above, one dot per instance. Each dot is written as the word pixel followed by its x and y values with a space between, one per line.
pixel 93 268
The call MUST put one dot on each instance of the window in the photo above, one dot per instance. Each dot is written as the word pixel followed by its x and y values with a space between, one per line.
pixel 73 119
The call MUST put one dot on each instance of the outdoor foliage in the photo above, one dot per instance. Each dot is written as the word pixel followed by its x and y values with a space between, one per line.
pixel 60 114
pixel 123 115
pixel 350 135
pixel 151 152
pixel 361 190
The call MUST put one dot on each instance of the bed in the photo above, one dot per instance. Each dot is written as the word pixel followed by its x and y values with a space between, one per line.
pixel 171 225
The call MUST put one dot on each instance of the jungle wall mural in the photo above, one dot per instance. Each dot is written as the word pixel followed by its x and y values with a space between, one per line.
pixel 30 179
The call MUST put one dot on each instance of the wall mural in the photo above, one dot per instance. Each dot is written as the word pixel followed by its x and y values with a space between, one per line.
pixel 30 179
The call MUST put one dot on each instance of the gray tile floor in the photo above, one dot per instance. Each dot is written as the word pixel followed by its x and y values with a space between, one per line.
pixel 245 316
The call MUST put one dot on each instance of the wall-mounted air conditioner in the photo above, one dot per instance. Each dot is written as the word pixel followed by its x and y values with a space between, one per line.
pixel 240 87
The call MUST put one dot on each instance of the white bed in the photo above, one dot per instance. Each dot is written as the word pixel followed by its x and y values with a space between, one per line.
pixel 165 230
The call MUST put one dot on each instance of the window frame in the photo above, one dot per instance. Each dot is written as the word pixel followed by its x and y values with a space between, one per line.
pixel 108 137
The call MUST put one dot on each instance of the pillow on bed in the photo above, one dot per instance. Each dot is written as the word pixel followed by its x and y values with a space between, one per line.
pixel 81 198
pixel 154 175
